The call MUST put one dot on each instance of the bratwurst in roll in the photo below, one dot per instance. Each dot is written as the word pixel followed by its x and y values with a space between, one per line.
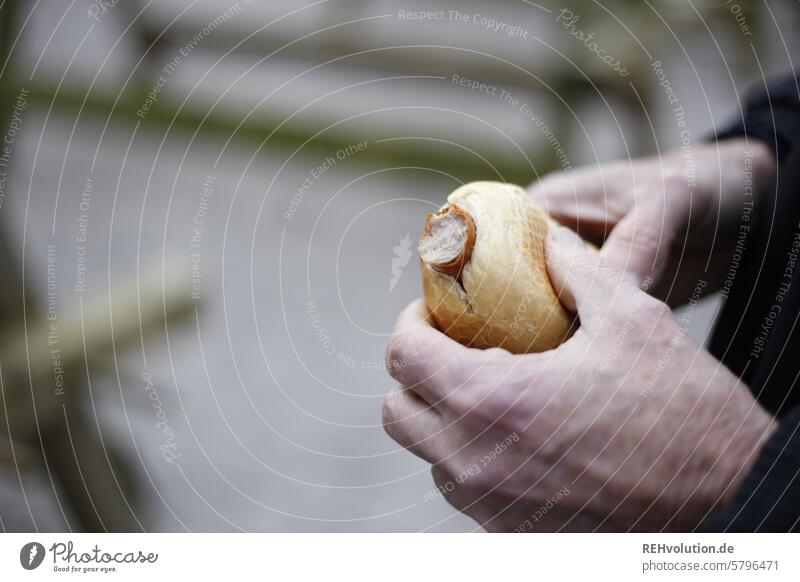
pixel 484 274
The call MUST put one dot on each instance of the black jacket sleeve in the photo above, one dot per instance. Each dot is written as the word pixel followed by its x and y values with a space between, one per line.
pixel 773 116
pixel 769 497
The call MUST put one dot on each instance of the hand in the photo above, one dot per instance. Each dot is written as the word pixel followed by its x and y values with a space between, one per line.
pixel 629 425
pixel 665 218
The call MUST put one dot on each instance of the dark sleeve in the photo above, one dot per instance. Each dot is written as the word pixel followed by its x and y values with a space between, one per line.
pixel 773 116
pixel 769 498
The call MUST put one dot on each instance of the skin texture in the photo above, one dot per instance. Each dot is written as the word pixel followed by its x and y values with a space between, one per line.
pixel 628 425
pixel 652 222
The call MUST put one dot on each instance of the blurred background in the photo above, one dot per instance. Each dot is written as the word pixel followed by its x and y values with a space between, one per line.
pixel 208 223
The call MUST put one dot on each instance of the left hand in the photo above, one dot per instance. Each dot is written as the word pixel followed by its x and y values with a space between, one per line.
pixel 629 425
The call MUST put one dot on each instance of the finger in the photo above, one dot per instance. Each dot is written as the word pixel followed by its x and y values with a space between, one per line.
pixel 413 423
pixel 421 357
pixel 578 200
pixel 585 282
pixel 641 240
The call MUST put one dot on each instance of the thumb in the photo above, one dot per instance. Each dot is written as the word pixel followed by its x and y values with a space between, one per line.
pixel 585 282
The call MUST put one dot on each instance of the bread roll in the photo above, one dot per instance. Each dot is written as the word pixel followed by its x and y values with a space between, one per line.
pixel 483 271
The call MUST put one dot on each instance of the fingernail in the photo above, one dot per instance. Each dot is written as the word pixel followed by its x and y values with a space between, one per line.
pixel 633 279
pixel 564 237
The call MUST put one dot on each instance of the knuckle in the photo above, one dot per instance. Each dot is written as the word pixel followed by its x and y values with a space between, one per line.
pixel 441 476
pixel 391 415
pixel 482 483
pixel 654 311
pixel 496 355
pixel 405 358
pixel 455 489
pixel 446 485
pixel 608 275
pixel 642 239
pixel 395 353
pixel 675 181
pixel 483 398
pixel 583 262
pixel 491 409
pixel 387 409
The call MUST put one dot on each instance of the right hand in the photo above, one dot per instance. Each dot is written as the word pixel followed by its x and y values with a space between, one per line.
pixel 652 221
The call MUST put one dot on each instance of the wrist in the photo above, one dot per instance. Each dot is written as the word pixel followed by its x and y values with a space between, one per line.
pixel 746 169
pixel 732 175
pixel 737 454
pixel 764 165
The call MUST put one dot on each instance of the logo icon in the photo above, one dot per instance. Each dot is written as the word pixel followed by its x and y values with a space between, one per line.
pixel 31 555
pixel 402 254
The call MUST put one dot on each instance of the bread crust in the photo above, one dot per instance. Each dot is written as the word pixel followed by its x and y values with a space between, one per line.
pixel 503 296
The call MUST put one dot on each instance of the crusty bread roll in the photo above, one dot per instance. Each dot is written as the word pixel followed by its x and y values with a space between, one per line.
pixel 483 271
